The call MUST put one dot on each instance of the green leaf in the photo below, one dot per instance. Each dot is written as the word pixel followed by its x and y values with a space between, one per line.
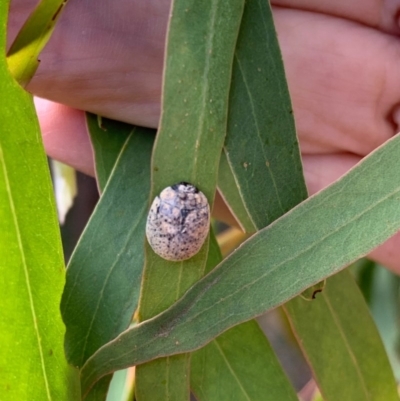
pixel 24 52
pixel 164 379
pixel 261 146
pixel 104 273
pixel 229 190
pixel 100 390
pixel 108 138
pixel 263 154
pixel 238 365
pixel 188 147
pixel 32 362
pixel 314 240
pixel 195 93
pixel 113 142
pixel 342 343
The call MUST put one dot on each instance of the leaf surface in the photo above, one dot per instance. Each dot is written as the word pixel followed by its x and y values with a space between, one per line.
pixel 104 273
pixel 23 56
pixel 342 343
pixel 262 151
pixel 311 242
pixel 198 65
pixel 108 137
pixel 239 364
pixel 110 140
pixel 261 146
pixel 32 274
pixel 229 190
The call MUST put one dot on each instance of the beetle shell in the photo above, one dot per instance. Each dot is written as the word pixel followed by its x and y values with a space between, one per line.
pixel 178 222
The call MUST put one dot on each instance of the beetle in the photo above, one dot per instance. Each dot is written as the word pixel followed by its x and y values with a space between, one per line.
pixel 178 222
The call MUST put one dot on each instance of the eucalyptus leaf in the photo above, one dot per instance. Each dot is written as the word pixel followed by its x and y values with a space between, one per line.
pixel 32 274
pixel 107 303
pixel 313 241
pixel 239 364
pixel 108 137
pixel 342 343
pixel 104 273
pixel 164 379
pixel 263 155
pixel 229 190
pixel 197 73
pixel 23 56
pixel 261 146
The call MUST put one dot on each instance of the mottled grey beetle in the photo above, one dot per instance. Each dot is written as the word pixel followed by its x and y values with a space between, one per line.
pixel 178 222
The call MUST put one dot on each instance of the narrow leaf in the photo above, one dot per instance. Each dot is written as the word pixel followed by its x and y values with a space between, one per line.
pixel 261 146
pixel 24 52
pixel 32 274
pixel 342 343
pixel 164 379
pixel 111 246
pixel 260 123
pixel 238 365
pixel 293 253
pixel 229 190
pixel 262 151
pixel 108 137
pixel 104 273
pixel 199 55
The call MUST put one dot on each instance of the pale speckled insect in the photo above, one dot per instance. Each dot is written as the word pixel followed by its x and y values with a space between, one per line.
pixel 178 222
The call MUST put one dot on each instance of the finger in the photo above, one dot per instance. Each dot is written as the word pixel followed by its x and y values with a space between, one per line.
pixel 65 135
pixel 383 14
pixel 66 139
pixel 104 58
pixel 343 90
pixel 344 81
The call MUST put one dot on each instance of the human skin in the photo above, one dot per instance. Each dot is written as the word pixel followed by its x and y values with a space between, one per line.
pixel 341 58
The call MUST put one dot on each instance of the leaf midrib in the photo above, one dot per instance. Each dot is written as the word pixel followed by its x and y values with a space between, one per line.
pixel 348 347
pixel 206 87
pixel 229 366
pixel 26 273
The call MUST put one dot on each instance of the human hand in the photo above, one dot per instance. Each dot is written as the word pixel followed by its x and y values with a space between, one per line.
pixel 341 60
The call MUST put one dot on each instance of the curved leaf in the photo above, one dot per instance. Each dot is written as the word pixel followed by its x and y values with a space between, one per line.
pixel 24 52
pixel 108 137
pixel 104 273
pixel 312 241
pixel 32 362
pixel 263 155
pixel 342 343
pixel 198 65
pixel 239 364
pixel 229 190
pixel 261 146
